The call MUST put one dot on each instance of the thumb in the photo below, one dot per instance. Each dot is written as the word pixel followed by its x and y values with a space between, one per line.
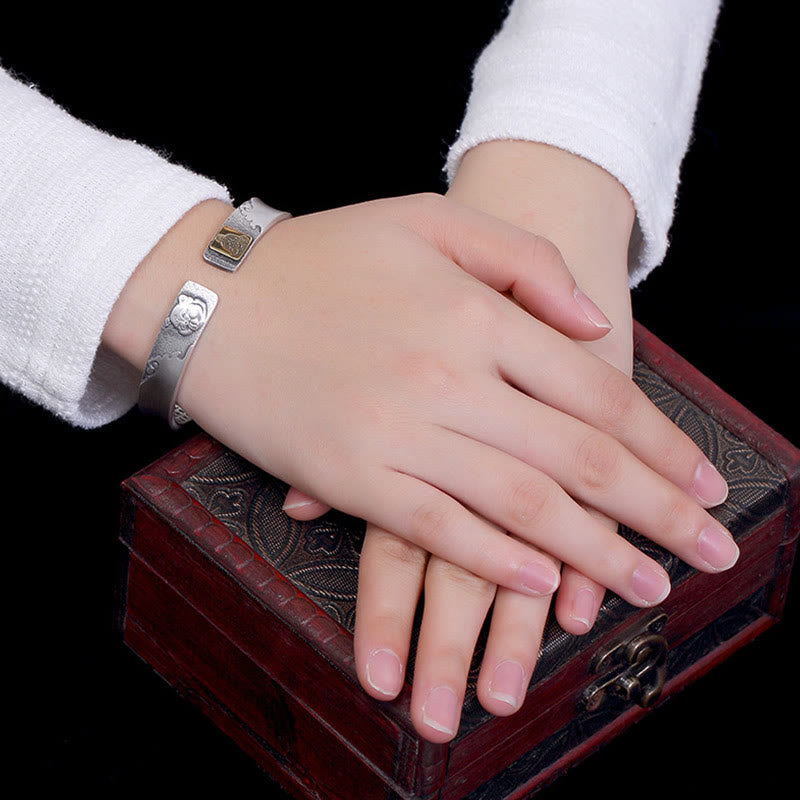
pixel 528 267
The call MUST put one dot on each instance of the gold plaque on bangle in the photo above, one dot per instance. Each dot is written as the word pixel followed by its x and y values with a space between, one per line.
pixel 231 243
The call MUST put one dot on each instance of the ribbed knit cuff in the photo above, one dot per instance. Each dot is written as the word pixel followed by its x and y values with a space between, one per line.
pixel 79 210
pixel 615 82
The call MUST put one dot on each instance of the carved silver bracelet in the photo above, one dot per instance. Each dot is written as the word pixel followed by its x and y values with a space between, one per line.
pixel 194 306
pixel 234 240
pixel 174 344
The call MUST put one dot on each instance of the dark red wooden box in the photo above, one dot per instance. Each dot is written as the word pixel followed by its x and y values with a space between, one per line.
pixel 249 615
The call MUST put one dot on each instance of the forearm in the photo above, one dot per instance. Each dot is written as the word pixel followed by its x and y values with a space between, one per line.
pixel 79 210
pixel 615 82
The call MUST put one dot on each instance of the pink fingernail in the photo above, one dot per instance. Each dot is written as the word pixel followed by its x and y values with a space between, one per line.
pixel 591 311
pixel 584 607
pixel 538 578
pixel 440 710
pixel 650 584
pixel 508 683
pixel 717 548
pixel 709 486
pixel 385 672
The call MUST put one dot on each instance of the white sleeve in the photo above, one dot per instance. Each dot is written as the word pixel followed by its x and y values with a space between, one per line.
pixel 78 211
pixel 615 82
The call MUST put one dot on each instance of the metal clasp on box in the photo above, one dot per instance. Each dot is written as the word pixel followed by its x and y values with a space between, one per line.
pixel 633 668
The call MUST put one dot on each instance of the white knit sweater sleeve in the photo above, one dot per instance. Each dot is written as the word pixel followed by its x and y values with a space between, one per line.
pixel 78 211
pixel 614 81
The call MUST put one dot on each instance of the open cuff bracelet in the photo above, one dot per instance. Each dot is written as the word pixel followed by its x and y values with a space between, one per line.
pixel 192 309
pixel 243 228
pixel 174 344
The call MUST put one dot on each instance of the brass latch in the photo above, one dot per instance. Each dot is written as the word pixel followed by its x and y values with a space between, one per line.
pixel 633 669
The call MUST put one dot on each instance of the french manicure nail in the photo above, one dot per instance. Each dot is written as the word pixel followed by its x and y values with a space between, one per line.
pixel 591 311
pixel 440 710
pixel 650 584
pixel 508 683
pixel 709 486
pixel 298 504
pixel 538 578
pixel 717 548
pixel 385 672
pixel 584 607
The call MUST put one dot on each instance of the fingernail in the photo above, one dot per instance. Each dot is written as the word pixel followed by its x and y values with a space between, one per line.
pixel 591 311
pixel 709 486
pixel 584 607
pixel 385 672
pixel 508 683
pixel 538 578
pixel 441 711
pixel 650 584
pixel 717 548
pixel 298 504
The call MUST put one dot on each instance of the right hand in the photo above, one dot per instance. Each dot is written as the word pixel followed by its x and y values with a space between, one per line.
pixel 368 357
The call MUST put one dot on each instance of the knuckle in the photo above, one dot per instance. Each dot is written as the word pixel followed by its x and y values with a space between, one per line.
pixel 426 204
pixel 461 581
pixel 399 553
pixel 430 374
pixel 597 461
pixel 616 401
pixel 384 623
pixel 452 658
pixel 546 254
pixel 528 502
pixel 476 310
pixel 678 510
pixel 431 198
pixel 428 522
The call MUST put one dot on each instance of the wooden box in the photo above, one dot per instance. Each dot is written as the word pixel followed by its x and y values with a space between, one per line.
pixel 250 616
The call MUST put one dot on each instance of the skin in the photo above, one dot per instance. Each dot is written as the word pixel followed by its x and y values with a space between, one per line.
pixel 589 215
pixel 414 362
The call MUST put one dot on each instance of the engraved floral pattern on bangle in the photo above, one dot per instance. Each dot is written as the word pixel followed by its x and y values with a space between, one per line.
pixel 246 210
pixel 150 367
pixel 188 315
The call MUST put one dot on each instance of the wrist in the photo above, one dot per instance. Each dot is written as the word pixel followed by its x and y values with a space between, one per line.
pixel 558 194
pixel 145 300
pixel 572 202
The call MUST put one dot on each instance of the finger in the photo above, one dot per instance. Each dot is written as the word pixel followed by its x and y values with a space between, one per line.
pixel 596 469
pixel 578 601
pixel 590 465
pixel 442 526
pixel 510 259
pixel 390 577
pixel 579 598
pixel 563 375
pixel 302 507
pixel 515 637
pixel 534 506
pixel 456 604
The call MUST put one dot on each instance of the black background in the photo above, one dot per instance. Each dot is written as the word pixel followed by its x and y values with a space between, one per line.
pixel 282 105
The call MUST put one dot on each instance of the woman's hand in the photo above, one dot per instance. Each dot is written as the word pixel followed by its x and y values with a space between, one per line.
pixel 590 216
pixel 368 356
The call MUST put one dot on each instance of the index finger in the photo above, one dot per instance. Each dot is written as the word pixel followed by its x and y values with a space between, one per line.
pixel 565 376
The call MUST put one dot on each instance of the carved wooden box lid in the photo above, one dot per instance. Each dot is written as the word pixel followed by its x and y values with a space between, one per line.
pixel 306 573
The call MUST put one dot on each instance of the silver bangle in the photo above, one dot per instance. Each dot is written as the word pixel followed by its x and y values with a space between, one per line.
pixel 243 228
pixel 193 308
pixel 173 347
